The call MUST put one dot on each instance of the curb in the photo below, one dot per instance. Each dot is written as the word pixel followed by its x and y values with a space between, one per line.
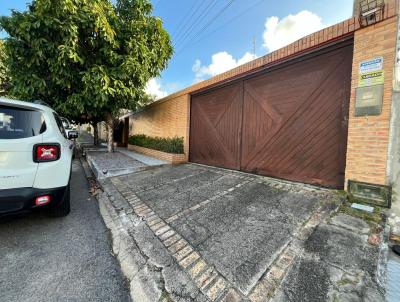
pixel 124 249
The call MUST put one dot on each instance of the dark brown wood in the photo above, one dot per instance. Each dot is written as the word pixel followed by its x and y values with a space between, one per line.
pixel 293 121
pixel 215 127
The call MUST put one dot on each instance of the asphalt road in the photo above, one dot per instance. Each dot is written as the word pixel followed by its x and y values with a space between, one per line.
pixel 60 259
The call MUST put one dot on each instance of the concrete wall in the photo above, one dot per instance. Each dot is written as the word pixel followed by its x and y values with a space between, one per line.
pixel 393 170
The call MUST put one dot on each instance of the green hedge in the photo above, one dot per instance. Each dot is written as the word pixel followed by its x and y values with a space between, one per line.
pixel 169 145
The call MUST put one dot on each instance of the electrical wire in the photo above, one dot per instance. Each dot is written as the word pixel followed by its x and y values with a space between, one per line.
pixel 197 21
pixel 220 27
pixel 228 22
pixel 210 22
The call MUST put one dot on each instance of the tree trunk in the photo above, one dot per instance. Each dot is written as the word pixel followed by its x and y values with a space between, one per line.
pixel 95 134
pixel 110 133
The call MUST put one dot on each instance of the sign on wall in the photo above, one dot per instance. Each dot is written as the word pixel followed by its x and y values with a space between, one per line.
pixel 369 94
pixel 371 78
pixel 371 65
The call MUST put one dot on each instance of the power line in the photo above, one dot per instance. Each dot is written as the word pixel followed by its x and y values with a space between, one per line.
pixel 222 26
pixel 189 16
pixel 199 18
pixel 190 13
pixel 209 23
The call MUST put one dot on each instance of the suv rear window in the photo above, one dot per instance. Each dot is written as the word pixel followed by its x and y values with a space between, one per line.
pixel 60 125
pixel 20 123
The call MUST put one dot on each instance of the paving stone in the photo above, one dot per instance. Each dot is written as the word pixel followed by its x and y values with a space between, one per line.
pixel 260 293
pixel 144 211
pixel 167 235
pixel 172 218
pixel 177 246
pixel 183 253
pixel 172 240
pixel 231 296
pixel 197 268
pixel 216 289
pixel 157 226
pixel 351 223
pixel 285 260
pixel 185 262
pixel 275 275
pixel 149 215
pixel 162 230
pixel 214 275
pixel 140 206
pixel 153 219
pixel 204 276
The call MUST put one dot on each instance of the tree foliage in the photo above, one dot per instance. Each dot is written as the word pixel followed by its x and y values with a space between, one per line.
pixel 87 58
pixel 4 78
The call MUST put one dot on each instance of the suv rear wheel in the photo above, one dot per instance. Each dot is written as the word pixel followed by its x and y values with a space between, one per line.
pixel 63 208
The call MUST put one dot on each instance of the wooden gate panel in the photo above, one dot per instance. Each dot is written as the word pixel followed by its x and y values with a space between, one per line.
pixel 306 105
pixel 216 127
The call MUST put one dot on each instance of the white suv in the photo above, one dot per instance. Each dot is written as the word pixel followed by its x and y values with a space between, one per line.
pixel 35 159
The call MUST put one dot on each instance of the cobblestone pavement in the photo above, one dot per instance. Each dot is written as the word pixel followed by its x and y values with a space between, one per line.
pixel 220 235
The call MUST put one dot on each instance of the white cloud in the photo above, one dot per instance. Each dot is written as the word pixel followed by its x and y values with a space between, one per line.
pixel 220 62
pixel 153 88
pixel 279 33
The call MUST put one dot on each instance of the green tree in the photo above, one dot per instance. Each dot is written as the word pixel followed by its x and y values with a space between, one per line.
pixel 85 57
pixel 4 79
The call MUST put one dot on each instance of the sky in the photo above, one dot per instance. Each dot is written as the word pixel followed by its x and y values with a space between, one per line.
pixel 213 36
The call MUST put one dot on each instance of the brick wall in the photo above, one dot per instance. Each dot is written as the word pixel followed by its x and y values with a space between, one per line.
pixel 164 119
pixel 169 157
pixel 368 138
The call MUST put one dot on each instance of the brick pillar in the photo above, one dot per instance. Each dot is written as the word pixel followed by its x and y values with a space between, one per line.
pixel 368 140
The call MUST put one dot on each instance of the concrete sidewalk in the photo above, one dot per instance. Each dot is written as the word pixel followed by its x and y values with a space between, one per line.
pixel 120 162
pixel 195 233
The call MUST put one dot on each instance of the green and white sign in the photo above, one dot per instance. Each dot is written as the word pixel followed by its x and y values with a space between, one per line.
pixel 371 78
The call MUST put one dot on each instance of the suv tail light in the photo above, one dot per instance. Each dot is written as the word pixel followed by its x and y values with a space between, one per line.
pixel 42 200
pixel 46 152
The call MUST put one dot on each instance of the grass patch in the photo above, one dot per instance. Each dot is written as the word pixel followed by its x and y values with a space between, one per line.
pixel 372 219
pixel 169 145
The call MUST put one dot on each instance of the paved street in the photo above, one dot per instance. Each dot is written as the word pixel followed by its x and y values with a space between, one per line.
pixel 60 259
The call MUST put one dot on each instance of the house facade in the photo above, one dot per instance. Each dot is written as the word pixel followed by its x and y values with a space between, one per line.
pixel 322 110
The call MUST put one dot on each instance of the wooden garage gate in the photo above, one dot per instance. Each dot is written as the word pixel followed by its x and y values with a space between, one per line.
pixel 289 121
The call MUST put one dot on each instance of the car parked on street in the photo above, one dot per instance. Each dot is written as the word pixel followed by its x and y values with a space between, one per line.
pixel 71 132
pixel 35 159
